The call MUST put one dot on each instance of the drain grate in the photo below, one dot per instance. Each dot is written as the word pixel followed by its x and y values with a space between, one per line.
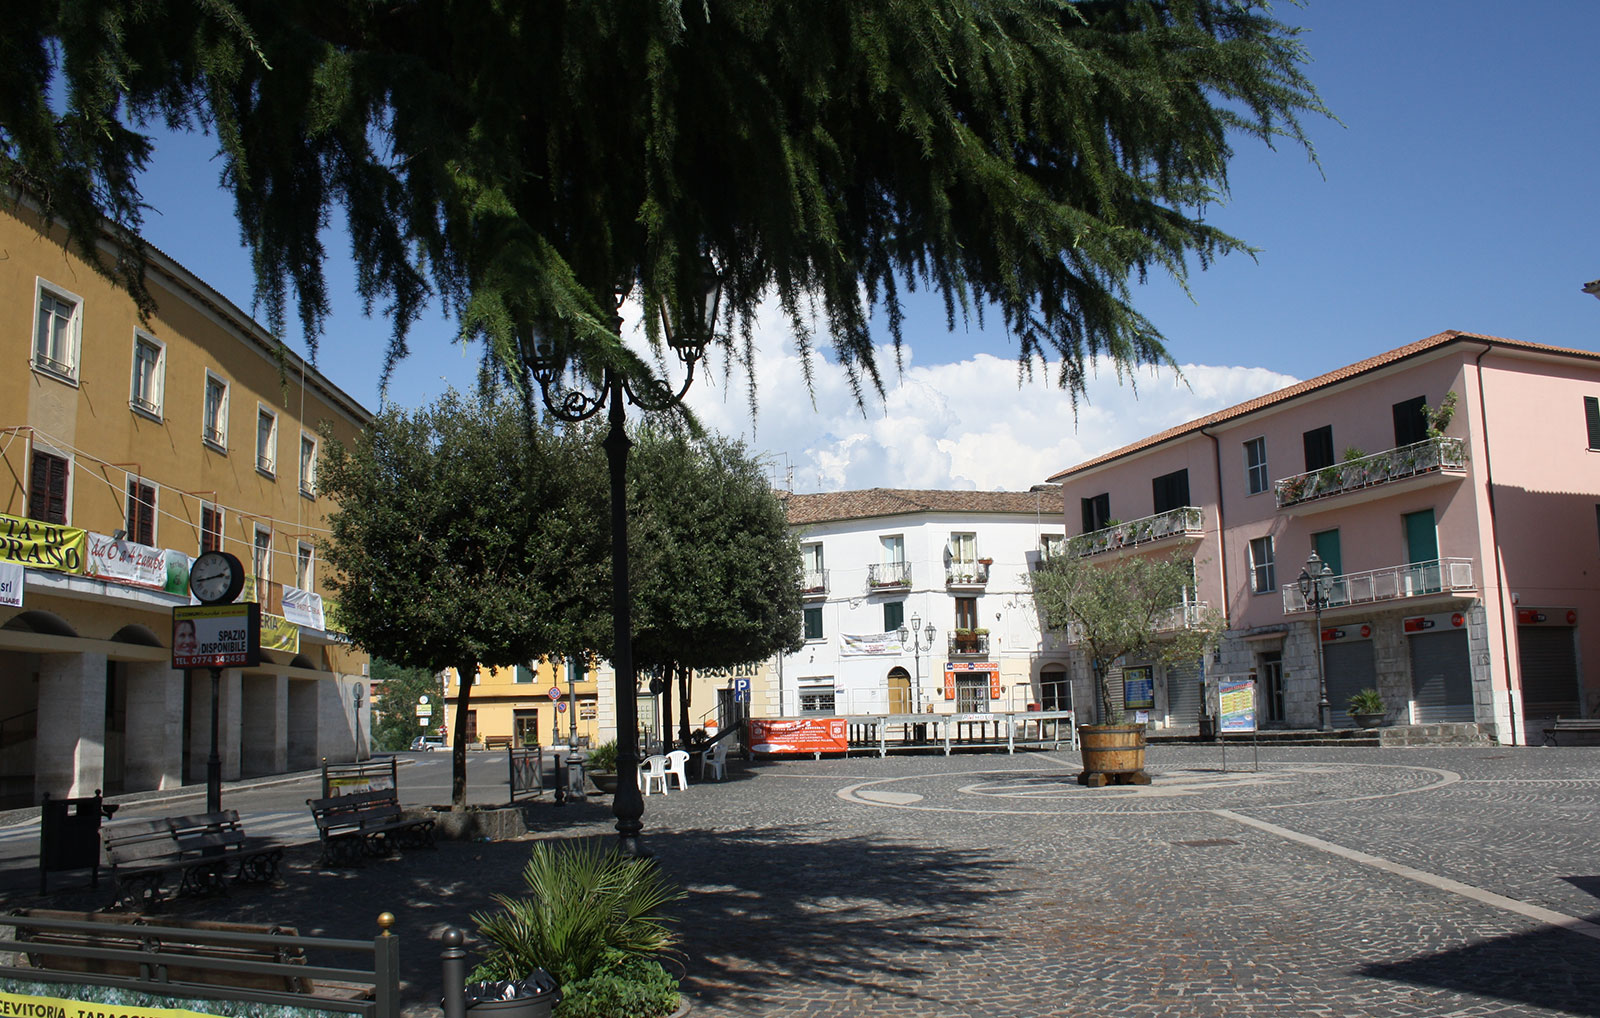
pixel 1207 843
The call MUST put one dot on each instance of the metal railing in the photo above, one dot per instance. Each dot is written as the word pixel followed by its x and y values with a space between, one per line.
pixel 814 582
pixel 889 574
pixel 1425 457
pixel 1175 619
pixel 970 645
pixel 1185 521
pixel 966 574
pixel 145 405
pixel 1392 583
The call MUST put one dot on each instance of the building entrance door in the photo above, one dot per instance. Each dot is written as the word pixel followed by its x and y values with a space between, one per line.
pixel 1349 669
pixel 900 692
pixel 1441 678
pixel 525 727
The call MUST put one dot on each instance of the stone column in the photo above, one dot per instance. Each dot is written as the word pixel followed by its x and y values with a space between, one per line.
pixel 265 700
pixel 302 729
pixel 154 741
pixel 71 724
pixel 336 726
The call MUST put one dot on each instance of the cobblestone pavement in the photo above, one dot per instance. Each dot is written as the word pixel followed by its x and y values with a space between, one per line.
pixel 1370 882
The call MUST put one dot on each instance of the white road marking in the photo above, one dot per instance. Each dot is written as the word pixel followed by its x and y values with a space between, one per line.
pixel 1538 913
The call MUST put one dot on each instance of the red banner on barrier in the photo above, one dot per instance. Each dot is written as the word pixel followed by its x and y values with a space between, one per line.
pixel 798 735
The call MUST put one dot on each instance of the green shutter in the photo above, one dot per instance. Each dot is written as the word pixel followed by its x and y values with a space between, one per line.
pixel 1422 537
pixel 1326 545
pixel 894 615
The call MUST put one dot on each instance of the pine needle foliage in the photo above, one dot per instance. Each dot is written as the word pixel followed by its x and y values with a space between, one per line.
pixel 586 904
pixel 529 161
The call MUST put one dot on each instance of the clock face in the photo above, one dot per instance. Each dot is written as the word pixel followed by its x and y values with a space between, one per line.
pixel 216 577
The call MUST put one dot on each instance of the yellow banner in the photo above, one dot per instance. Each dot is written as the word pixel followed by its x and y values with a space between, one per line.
pixel 17 1005
pixel 277 633
pixel 42 545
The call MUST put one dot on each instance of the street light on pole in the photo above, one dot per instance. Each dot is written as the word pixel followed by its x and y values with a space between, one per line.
pixel 915 635
pixel 1311 581
pixel 547 360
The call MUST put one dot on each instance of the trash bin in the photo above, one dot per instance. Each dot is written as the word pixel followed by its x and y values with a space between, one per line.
pixel 69 835
pixel 533 997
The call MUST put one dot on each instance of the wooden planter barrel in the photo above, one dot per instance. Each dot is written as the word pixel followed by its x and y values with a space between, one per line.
pixel 1112 755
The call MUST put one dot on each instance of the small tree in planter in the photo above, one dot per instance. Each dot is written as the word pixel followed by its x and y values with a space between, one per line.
pixel 1117 608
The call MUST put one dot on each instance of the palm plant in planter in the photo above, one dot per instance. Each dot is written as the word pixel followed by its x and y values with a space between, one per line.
pixel 1367 708
pixel 1118 609
pixel 601 766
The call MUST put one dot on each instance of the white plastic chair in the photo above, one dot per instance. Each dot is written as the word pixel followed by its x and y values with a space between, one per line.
pixel 677 761
pixel 654 770
pixel 714 758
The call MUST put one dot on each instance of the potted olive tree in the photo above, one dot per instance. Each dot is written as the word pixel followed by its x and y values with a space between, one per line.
pixel 1128 609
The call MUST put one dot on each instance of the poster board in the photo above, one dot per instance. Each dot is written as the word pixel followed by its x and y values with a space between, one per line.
pixel 799 735
pixel 1237 702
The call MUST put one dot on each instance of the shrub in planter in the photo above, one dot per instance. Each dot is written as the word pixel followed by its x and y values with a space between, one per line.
pixel 603 757
pixel 630 987
pixel 588 907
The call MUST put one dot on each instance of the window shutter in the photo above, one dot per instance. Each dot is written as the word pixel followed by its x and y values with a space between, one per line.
pixel 47 495
pixel 1591 412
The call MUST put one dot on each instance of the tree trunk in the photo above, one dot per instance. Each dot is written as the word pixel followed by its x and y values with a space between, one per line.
pixel 683 703
pixel 666 707
pixel 467 671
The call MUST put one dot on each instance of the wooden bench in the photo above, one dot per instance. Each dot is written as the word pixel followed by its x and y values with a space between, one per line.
pixel 199 849
pixel 1573 732
pixel 366 824
pixel 497 742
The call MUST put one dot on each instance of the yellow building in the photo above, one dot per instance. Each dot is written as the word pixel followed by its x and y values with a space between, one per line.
pixel 128 448
pixel 513 705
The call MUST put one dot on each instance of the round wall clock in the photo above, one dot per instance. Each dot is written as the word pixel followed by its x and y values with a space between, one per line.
pixel 216 577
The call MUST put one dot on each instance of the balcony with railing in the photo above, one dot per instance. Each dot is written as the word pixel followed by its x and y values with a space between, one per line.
pixel 1178 618
pixel 1442 577
pixel 889 575
pixel 1174 527
pixel 814 583
pixel 1432 461
pixel 967 575
pixel 969 643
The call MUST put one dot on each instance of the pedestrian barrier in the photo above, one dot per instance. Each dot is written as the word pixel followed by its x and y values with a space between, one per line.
pixel 527 771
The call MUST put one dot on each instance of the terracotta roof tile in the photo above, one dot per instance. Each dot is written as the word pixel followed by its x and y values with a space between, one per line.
pixel 1312 384
pixel 831 506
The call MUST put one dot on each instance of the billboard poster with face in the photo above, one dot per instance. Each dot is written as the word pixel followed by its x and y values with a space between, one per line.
pixel 216 636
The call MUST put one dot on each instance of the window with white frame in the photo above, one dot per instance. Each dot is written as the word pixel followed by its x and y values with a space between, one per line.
pixel 141 518
pixel 963 549
pixel 210 527
pixel 1052 545
pixel 266 441
pixel 304 563
pixel 57 332
pixel 308 465
pixel 214 423
pixel 1255 466
pixel 816 696
pixel 894 549
pixel 261 557
pixel 149 374
pixel 1263 575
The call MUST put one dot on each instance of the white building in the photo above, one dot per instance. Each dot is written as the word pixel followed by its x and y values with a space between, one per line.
pixel 947 563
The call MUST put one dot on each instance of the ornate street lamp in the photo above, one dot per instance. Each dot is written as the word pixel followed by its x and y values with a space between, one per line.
pixel 916 636
pixel 1312 577
pixel 547 362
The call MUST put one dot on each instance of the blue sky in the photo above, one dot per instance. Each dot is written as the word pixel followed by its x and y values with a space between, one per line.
pixel 1459 191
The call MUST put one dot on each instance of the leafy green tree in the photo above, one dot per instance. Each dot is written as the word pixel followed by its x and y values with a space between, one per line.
pixel 394 724
pixel 1120 610
pixel 439 552
pixel 716 572
pixel 1030 156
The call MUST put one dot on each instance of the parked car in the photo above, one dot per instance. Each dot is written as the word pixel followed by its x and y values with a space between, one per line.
pixel 426 743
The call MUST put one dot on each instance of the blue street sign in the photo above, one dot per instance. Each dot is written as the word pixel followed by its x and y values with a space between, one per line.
pixel 741 690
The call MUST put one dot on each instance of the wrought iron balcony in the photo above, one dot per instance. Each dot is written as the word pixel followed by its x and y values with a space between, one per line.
pixel 966 574
pixel 814 583
pixel 1440 458
pixel 969 643
pixel 1392 583
pixel 1184 522
pixel 889 574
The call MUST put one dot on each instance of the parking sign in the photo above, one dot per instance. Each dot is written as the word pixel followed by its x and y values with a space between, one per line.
pixel 741 690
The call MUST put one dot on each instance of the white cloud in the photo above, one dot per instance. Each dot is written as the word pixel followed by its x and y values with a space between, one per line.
pixel 968 424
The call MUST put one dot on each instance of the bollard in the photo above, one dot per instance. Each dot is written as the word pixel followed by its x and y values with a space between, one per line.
pixel 453 961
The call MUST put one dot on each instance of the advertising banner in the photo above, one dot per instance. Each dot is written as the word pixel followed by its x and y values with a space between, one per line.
pixel 870 643
pixel 278 633
pixel 1238 704
pixel 798 735
pixel 77 1000
pixel 303 608
pixel 216 636
pixel 139 565
pixel 42 545
pixel 11 576
pixel 953 668
pixel 1139 688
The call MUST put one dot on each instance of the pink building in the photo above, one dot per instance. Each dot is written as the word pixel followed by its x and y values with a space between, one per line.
pixel 1463 556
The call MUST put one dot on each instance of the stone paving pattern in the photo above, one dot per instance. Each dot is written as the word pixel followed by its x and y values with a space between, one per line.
pixel 993 885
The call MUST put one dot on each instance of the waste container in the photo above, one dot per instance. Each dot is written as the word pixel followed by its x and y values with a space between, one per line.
pixel 533 997
pixel 69 835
